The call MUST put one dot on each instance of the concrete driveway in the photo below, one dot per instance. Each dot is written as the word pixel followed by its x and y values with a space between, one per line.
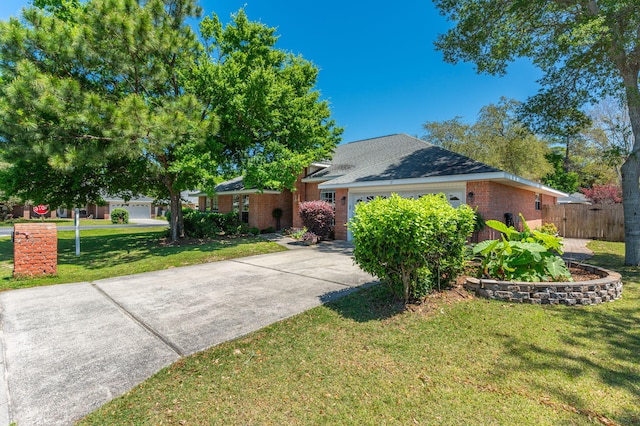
pixel 68 349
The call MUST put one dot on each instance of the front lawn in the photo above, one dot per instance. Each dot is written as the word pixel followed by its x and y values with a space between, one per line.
pixel 58 222
pixel 113 252
pixel 459 360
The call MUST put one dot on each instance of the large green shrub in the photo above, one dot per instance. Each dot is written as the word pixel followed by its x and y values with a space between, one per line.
pixel 412 245
pixel 199 224
pixel 530 255
pixel 119 215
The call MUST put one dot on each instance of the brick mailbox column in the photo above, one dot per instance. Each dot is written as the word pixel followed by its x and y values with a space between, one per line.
pixel 35 249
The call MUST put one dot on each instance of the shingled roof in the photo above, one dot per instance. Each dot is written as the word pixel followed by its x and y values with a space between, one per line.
pixel 395 157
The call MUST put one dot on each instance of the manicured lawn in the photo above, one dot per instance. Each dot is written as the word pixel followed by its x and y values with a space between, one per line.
pixel 113 252
pixel 59 222
pixel 363 360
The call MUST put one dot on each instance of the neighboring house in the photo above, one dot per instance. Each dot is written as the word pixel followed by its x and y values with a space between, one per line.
pixel 140 207
pixel 575 198
pixel 360 171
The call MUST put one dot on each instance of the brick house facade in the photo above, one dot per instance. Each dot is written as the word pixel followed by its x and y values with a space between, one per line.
pixel 398 164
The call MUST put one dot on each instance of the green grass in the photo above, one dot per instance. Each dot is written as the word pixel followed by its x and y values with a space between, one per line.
pixel 114 252
pixel 58 222
pixel 364 360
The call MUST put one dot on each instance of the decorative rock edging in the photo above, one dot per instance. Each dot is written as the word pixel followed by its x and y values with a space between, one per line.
pixel 605 289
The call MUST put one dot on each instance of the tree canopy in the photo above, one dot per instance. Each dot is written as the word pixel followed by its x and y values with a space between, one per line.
pixel 587 50
pixel 120 97
pixel 497 138
pixel 272 121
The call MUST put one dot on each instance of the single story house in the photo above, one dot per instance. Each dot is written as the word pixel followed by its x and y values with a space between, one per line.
pixel 140 207
pixel 362 170
pixel 575 198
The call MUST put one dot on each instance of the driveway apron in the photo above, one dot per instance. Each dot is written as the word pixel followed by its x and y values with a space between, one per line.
pixel 68 349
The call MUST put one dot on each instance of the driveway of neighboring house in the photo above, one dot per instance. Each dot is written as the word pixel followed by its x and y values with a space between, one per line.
pixel 67 349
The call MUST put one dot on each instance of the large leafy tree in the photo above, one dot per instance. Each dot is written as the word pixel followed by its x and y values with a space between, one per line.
pixel 119 95
pixel 587 49
pixel 93 101
pixel 497 138
pixel 272 121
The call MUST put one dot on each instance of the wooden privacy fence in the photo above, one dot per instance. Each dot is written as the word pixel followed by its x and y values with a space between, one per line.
pixel 597 221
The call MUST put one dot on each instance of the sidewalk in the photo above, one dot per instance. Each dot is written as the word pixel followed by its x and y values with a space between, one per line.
pixel 68 349
pixel 576 249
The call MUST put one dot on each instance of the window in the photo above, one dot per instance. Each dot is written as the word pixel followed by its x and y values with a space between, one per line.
pixel 244 216
pixel 212 204
pixel 236 203
pixel 329 197
pixel 538 202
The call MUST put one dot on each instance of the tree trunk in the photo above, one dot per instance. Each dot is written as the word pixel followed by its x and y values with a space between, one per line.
pixel 567 161
pixel 631 204
pixel 177 223
pixel 631 178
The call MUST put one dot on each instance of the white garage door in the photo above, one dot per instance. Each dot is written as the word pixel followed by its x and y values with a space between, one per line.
pixel 455 195
pixel 136 210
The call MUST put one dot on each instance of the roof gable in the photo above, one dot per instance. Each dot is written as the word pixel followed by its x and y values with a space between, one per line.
pixel 395 157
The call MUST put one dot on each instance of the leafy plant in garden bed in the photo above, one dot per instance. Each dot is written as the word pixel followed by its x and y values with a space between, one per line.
pixel 530 255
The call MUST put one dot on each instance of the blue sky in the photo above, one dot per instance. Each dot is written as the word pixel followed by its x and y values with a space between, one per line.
pixel 378 66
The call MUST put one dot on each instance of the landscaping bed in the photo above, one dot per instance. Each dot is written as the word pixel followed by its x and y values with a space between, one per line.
pixel 591 286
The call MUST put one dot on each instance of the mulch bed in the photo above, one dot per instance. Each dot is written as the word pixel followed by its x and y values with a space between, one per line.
pixel 579 274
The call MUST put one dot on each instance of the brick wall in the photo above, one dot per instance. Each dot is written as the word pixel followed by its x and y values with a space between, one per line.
pixel 309 192
pixel 299 196
pixel 341 213
pixel 35 249
pixel 493 200
pixel 225 203
pixel 261 208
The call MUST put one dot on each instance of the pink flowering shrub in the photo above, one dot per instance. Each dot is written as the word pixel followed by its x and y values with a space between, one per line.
pixel 603 194
pixel 317 217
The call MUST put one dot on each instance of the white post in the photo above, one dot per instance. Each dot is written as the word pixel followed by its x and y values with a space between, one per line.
pixel 77 224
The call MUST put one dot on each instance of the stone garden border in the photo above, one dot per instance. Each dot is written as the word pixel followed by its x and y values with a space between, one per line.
pixel 607 288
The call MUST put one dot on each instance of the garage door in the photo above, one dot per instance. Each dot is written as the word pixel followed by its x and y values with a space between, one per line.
pixel 454 195
pixel 136 210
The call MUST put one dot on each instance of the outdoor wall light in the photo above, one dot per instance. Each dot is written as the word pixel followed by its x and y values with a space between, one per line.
pixel 343 200
pixel 470 196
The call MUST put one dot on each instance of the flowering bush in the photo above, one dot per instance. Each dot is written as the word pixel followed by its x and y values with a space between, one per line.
pixel 603 194
pixel 317 217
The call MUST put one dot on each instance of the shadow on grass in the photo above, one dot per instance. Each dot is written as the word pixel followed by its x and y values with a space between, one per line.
pixel 374 302
pixel 112 250
pixel 601 341
pixel 614 366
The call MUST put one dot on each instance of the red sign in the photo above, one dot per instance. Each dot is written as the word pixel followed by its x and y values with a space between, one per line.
pixel 41 209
